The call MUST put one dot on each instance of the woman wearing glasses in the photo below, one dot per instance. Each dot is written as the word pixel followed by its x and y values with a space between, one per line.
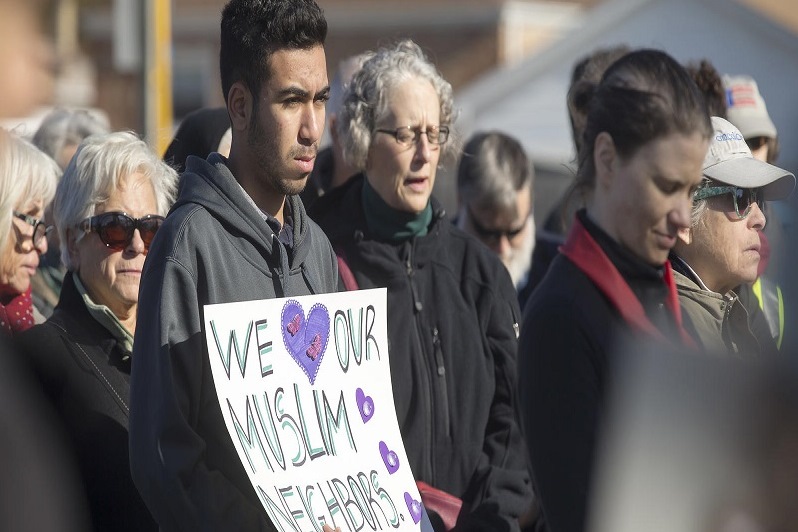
pixel 28 179
pixel 720 250
pixel 107 207
pixel 452 306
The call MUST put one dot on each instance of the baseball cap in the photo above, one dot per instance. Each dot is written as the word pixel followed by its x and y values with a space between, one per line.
pixel 729 161
pixel 746 108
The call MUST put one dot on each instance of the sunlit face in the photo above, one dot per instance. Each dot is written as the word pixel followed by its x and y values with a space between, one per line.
pixel 646 199
pixel 112 277
pixel 723 249
pixel 289 120
pixel 20 258
pixel 403 176
pixel 510 233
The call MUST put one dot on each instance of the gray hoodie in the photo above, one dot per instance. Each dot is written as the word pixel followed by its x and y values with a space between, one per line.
pixel 214 247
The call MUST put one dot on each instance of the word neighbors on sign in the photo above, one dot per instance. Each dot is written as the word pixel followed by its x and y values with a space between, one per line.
pixel 304 386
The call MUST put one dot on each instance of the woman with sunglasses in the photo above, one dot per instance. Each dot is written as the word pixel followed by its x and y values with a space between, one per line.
pixel 108 207
pixel 721 248
pixel 645 138
pixel 28 179
pixel 452 306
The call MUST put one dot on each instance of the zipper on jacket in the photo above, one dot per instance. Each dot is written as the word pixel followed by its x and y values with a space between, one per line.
pixel 436 345
pixel 284 267
pixel 417 307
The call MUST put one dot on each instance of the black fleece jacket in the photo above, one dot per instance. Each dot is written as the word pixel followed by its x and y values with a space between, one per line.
pixel 452 325
pixel 85 372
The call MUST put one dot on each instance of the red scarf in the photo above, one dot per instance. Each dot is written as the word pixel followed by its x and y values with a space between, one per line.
pixel 17 314
pixel 588 256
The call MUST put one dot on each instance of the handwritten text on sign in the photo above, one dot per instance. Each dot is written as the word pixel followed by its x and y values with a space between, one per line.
pixel 305 389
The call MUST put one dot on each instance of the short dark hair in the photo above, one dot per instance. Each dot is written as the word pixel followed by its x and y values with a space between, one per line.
pixel 493 169
pixel 252 30
pixel 643 96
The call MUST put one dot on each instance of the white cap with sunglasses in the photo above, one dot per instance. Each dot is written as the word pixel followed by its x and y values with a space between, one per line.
pixel 729 161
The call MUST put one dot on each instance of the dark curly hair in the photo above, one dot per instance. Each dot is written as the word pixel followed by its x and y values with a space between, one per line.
pixel 252 30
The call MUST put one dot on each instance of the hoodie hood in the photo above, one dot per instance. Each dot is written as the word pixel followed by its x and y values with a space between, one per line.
pixel 214 187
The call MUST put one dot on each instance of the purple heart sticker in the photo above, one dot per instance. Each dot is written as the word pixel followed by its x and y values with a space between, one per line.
pixel 390 458
pixel 306 339
pixel 365 404
pixel 414 507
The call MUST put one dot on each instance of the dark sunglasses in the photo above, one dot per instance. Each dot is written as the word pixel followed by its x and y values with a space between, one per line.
pixel 493 235
pixel 742 198
pixel 116 228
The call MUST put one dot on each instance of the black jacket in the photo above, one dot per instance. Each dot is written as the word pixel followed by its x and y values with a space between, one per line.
pixel 570 336
pixel 85 371
pixel 452 324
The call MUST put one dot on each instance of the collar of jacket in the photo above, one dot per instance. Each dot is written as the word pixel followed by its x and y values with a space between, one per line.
pixel 104 316
pixel 587 255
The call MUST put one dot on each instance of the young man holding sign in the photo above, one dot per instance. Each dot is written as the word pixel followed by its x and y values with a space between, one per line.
pixel 237 232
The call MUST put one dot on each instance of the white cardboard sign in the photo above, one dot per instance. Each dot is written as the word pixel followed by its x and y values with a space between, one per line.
pixel 304 385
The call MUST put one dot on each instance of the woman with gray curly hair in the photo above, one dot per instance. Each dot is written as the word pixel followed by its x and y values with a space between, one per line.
pixel 451 303
pixel 108 207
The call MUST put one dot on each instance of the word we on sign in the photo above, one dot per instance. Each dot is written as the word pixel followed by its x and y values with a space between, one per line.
pixel 304 386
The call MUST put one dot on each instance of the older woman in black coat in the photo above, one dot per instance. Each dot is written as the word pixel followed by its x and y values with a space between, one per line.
pixel 108 207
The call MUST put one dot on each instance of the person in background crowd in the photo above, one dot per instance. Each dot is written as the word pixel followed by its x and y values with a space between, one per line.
pixel 27 57
pixel 551 236
pixel 453 308
pixel 28 179
pixel 201 133
pixel 62 130
pixel 709 82
pixel 331 169
pixel 237 232
pixel 494 190
pixel 644 142
pixel 746 109
pixel 720 250
pixel 748 112
pixel 108 207
pixel 58 136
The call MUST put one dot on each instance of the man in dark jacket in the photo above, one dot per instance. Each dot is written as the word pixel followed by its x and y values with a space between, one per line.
pixel 237 232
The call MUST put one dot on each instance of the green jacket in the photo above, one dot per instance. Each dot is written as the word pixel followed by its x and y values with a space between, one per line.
pixel 719 321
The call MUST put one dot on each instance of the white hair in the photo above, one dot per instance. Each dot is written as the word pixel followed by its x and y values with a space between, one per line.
pixel 96 170
pixel 65 127
pixel 26 175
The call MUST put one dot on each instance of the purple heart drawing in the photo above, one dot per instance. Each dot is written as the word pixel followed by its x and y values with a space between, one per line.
pixel 365 404
pixel 414 507
pixel 390 458
pixel 306 339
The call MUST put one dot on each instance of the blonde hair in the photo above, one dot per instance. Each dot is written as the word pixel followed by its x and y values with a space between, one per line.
pixel 26 175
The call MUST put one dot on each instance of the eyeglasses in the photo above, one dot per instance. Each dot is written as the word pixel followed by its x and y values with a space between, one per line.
pixel 40 231
pixel 493 236
pixel 409 135
pixel 742 198
pixel 116 228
